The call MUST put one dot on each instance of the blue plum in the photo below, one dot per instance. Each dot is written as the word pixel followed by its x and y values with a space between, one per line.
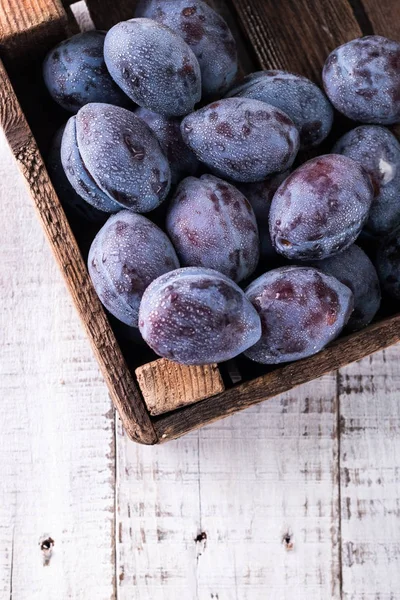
pixel 167 130
pixel 127 254
pixel 362 79
pixel 114 154
pixel 205 31
pixel 297 96
pixel 260 195
pixel 197 316
pixel 387 264
pixel 378 151
pixel 354 269
pixel 73 204
pixel 153 66
pixel 321 208
pixel 78 175
pixel 212 225
pixel 301 311
pixel 75 73
pixel 242 139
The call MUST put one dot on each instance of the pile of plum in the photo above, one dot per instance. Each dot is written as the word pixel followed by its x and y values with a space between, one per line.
pixel 159 118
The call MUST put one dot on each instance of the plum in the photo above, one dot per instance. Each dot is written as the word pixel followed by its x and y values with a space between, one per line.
pixel 113 159
pixel 320 209
pixel 301 311
pixel 75 73
pixel 354 269
pixel 378 151
pixel 212 225
pixel 127 254
pixel 205 31
pixel 260 196
pixel 73 204
pixel 197 316
pixel 297 96
pixel 362 79
pixel 153 66
pixel 387 264
pixel 242 139
pixel 167 130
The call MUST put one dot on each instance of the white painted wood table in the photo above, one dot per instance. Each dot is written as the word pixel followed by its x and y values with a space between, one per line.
pixel 297 498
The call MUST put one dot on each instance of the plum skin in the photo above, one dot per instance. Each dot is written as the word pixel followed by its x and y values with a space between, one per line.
pixel 321 208
pixel 242 139
pixel 153 66
pixel 354 269
pixel 298 97
pixel 387 264
pixel 212 225
pixel 197 316
pixel 362 80
pixel 75 73
pixel 167 130
pixel 127 254
pixel 206 32
pixel 113 159
pixel 301 311
pixel 378 151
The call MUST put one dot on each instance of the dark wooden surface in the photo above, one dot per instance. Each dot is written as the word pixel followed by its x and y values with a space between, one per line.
pixel 296 35
pixel 120 382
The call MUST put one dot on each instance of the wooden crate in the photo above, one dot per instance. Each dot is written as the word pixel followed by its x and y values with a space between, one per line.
pixel 158 400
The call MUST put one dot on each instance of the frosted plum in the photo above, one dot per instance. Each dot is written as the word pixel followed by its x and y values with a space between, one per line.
pixel 153 66
pixel 212 225
pixel 378 151
pixel 320 209
pixel 113 159
pixel 75 73
pixel 362 79
pixel 354 269
pixel 71 201
pixel 205 31
pixel 242 139
pixel 197 316
pixel 297 96
pixel 301 310
pixel 127 254
pixel 167 130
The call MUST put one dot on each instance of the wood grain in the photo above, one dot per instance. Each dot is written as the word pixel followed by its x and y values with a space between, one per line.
pixel 370 476
pixel 166 386
pixel 340 353
pixel 245 509
pixel 122 387
pixel 57 453
pixel 27 26
pixel 296 35
pixel 384 17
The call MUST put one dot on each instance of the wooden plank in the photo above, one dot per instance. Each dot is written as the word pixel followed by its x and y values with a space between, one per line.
pixel 384 17
pixel 340 353
pixel 166 386
pixel 247 508
pixel 57 458
pixel 122 387
pixel 370 477
pixel 296 36
pixel 27 26
pixel 107 14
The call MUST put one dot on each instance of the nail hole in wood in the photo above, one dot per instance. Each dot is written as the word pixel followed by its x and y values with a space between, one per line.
pixel 287 541
pixel 201 537
pixel 46 544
